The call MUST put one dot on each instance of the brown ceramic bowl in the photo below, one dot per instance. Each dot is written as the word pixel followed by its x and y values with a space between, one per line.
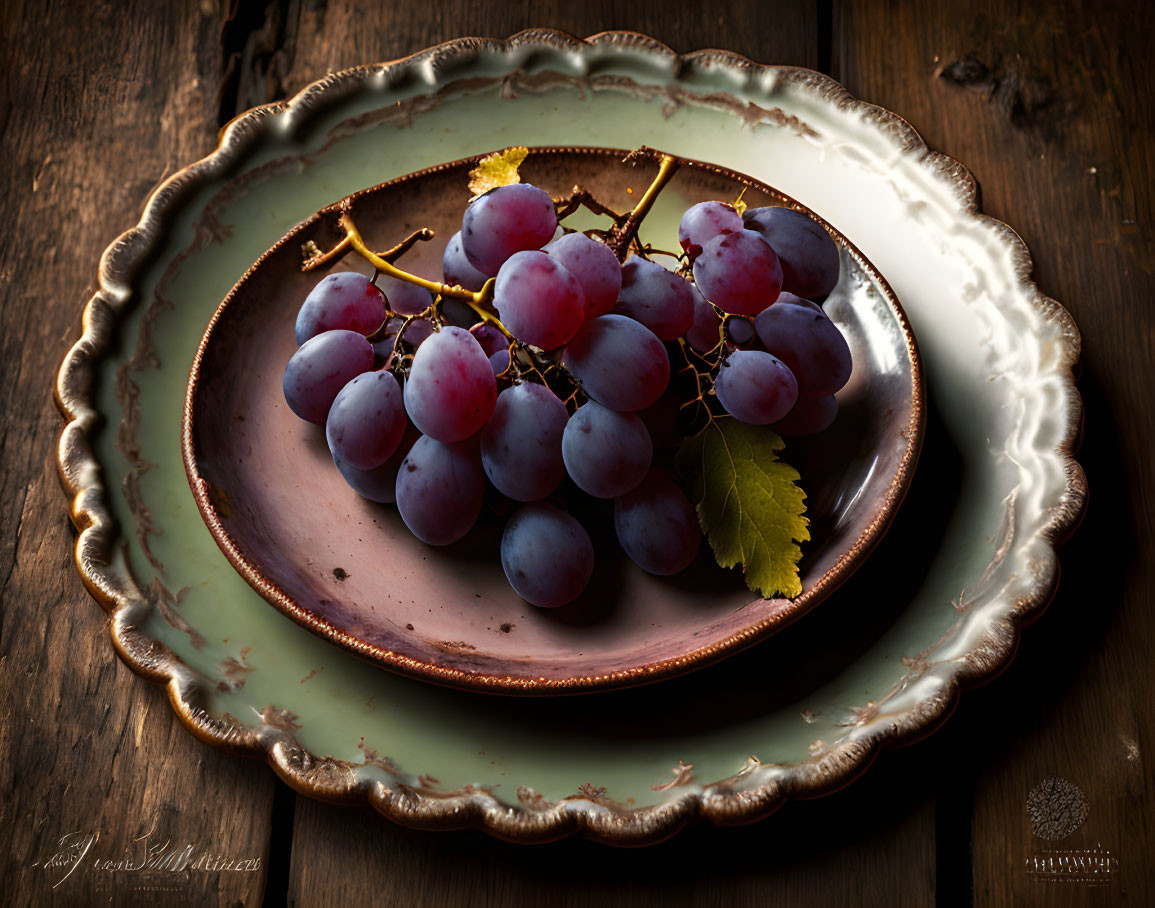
pixel 350 571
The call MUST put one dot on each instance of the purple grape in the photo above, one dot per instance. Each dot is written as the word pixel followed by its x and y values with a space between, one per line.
pixel 384 346
pixel 495 344
pixel 755 387
pixel 657 526
pixel 594 265
pixel 539 300
pixel 505 220
pixel 457 269
pixel 547 555
pixel 457 313
pixel 606 453
pixel 440 488
pixel 344 300
pixel 705 333
pixel 795 300
pixel 491 340
pixel 499 362
pixel 704 221
pixel 809 416
pixel 380 483
pixel 366 421
pixel 419 331
pixel 809 343
pixel 521 443
pixel 739 273
pixel 618 362
pixel 450 391
pixel 659 299
pixel 739 332
pixel 809 257
pixel 403 297
pixel 320 368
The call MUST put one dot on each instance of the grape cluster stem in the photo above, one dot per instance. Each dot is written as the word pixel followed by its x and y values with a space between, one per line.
pixel 619 240
pixel 703 383
pixel 624 235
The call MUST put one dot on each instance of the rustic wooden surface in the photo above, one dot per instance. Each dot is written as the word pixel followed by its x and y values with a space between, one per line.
pixel 1048 104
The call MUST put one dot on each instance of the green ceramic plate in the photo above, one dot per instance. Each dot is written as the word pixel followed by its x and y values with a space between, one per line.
pixel 798 715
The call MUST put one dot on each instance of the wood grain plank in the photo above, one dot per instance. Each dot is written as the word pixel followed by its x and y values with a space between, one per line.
pixel 98 107
pixel 324 37
pixel 1049 105
pixel 1056 122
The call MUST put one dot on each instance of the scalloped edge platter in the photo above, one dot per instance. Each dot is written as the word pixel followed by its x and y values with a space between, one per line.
pixel 998 358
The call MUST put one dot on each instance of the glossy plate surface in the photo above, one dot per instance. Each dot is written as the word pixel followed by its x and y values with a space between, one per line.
pixel 879 664
pixel 349 569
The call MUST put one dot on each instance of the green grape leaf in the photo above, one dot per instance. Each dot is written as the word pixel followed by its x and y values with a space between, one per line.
pixel 748 503
pixel 497 169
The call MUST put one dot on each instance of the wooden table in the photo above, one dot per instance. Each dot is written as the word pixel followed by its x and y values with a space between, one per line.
pixel 1048 104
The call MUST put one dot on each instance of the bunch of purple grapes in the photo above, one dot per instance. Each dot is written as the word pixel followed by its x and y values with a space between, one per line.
pixel 784 358
pixel 548 390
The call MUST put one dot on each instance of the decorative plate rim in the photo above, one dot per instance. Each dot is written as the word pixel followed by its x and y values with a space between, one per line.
pixel 330 779
pixel 651 672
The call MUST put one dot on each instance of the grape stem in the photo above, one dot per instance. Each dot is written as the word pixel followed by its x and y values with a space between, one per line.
pixel 703 378
pixel 475 300
pixel 578 198
pixel 650 250
pixel 408 243
pixel 619 240
pixel 624 234
pixel 317 258
pixel 397 341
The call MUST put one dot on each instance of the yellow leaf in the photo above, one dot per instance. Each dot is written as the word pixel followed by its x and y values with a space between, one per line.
pixel 747 501
pixel 497 169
